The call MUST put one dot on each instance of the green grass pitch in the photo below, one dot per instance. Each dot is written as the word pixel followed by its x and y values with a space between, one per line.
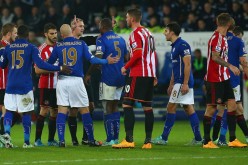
pixel 176 152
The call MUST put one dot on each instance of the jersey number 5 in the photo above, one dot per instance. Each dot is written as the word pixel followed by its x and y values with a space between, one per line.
pixel 71 54
pixel 116 43
pixel 16 56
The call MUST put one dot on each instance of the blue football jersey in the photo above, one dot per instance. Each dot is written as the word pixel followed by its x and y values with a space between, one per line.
pixel 236 49
pixel 109 43
pixel 72 52
pixel 19 57
pixel 179 49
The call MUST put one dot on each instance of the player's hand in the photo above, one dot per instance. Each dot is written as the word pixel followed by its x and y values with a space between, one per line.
pixel 169 90
pixel 184 89
pixel 235 70
pixel 155 82
pixel 87 79
pixel 65 69
pixel 123 71
pixel 112 60
pixel 74 23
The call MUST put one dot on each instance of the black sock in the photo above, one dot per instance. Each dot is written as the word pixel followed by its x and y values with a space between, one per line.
pixel 129 120
pixel 72 122
pixel 231 122
pixel 2 126
pixel 85 136
pixel 207 127
pixel 51 128
pixel 39 127
pixel 242 124
pixel 149 120
pixel 216 128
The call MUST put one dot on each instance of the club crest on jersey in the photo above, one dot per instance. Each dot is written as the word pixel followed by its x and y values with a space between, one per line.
pixel 217 48
pixel 186 51
pixel 134 45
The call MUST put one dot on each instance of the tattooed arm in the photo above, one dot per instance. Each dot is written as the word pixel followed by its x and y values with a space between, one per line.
pixel 216 58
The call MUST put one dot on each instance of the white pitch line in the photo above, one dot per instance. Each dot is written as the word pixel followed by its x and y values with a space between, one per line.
pixel 125 159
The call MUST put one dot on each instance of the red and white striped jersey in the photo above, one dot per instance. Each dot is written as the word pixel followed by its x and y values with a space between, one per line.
pixel 216 72
pixel 141 38
pixel 3 72
pixel 47 80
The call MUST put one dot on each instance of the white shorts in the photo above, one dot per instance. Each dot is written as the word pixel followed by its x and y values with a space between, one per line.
pixel 177 97
pixel 71 92
pixel 19 103
pixel 237 93
pixel 109 92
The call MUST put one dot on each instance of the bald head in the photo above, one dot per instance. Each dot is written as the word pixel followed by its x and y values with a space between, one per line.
pixel 65 30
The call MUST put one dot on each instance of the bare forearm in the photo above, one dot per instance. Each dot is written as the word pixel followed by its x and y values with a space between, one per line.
pixel 186 73
pixel 42 71
pixel 220 61
pixel 172 79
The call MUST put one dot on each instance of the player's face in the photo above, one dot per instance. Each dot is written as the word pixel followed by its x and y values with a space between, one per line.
pixel 79 30
pixel 167 34
pixel 13 35
pixel 129 20
pixel 52 35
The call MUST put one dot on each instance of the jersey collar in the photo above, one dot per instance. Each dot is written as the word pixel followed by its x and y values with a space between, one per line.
pixel 178 39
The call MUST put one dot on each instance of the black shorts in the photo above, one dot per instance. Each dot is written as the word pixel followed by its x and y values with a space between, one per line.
pixel 89 91
pixel 48 97
pixel 139 89
pixel 2 93
pixel 219 92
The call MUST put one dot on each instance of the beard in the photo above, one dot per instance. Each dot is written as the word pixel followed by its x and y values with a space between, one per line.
pixel 52 40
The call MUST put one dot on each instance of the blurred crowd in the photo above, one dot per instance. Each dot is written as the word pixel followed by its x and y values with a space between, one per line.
pixel 192 15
